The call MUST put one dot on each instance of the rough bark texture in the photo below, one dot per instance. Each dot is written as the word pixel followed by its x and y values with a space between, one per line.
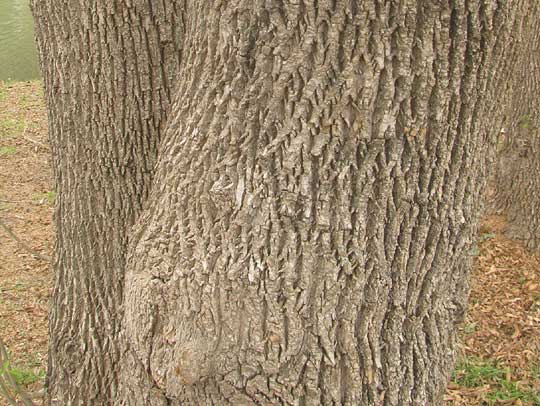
pixel 307 232
pixel 516 180
pixel 307 237
pixel 108 67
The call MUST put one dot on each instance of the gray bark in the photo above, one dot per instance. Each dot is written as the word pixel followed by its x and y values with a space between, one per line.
pixel 108 69
pixel 307 238
pixel 516 182
pixel 306 234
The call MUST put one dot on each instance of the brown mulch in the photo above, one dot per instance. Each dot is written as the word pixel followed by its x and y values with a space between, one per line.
pixel 505 301
pixel 503 321
pixel 26 210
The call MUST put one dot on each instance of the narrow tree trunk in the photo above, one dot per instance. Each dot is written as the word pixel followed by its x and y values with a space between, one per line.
pixel 108 67
pixel 516 180
pixel 307 239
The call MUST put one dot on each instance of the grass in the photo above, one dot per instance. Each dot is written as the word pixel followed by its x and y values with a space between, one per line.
pixel 474 251
pixel 45 197
pixel 30 101
pixel 534 371
pixel 486 236
pixel 472 372
pixel 25 376
pixel 19 286
pixel 512 391
pixel 469 328
pixel 10 126
pixel 12 379
pixel 476 373
pixel 7 150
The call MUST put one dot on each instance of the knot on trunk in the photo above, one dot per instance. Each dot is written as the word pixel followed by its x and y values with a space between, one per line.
pixel 195 362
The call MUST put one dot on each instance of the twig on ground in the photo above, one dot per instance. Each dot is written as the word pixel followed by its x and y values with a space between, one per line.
pixel 40 144
pixel 23 244
pixel 15 216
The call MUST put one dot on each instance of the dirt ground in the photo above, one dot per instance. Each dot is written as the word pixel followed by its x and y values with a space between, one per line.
pixel 500 339
pixel 26 208
pixel 500 349
pixel 26 201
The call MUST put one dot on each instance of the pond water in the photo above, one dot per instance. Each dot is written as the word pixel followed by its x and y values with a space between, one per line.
pixel 18 54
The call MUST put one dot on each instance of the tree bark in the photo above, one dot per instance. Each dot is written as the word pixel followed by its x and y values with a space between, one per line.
pixel 108 68
pixel 516 184
pixel 306 235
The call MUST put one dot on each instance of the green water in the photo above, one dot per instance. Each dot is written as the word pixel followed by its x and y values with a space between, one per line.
pixel 18 55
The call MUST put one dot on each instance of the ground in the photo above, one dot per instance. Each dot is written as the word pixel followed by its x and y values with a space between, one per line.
pixel 500 339
pixel 26 201
pixel 499 361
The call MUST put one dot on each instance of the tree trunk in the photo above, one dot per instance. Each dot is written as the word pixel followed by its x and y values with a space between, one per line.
pixel 308 229
pixel 108 69
pixel 516 181
pixel 307 238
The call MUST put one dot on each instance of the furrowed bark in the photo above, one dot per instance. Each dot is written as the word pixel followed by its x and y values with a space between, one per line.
pixel 516 182
pixel 308 236
pixel 108 67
